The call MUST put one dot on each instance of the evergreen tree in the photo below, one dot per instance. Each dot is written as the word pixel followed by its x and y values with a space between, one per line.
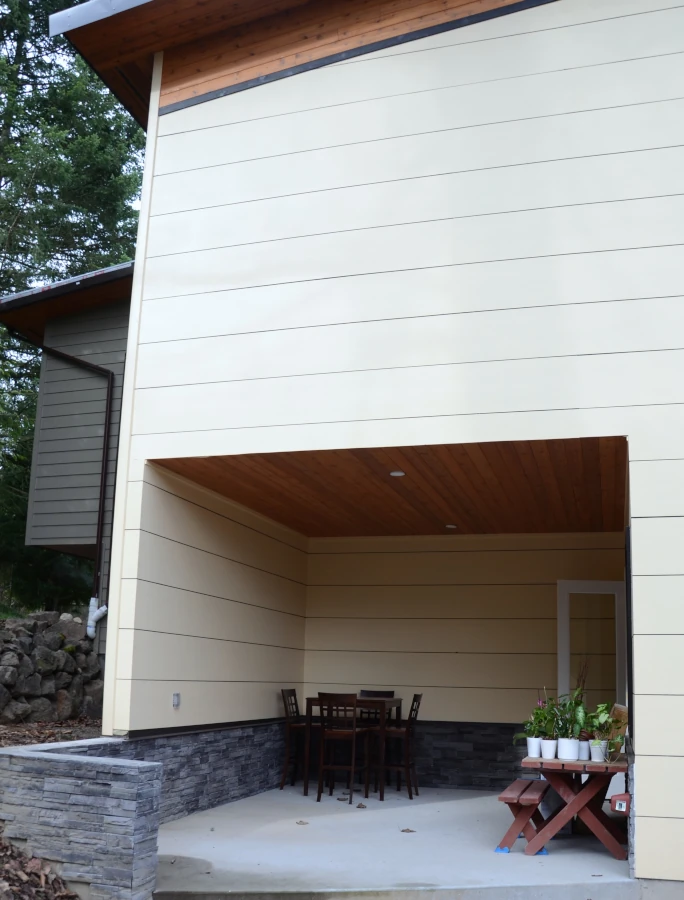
pixel 70 171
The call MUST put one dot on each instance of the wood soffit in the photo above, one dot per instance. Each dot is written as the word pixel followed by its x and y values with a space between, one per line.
pixel 214 45
pixel 514 487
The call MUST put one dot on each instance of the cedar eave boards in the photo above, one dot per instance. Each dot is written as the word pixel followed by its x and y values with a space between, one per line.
pixel 258 41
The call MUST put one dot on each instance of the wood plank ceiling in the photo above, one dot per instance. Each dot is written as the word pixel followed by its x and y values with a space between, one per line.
pixel 516 487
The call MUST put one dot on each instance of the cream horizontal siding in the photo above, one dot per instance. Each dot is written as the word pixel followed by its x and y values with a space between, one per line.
pixel 481 644
pixel 590 134
pixel 634 325
pixel 212 596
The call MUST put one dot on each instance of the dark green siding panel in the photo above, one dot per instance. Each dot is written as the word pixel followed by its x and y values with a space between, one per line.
pixel 65 475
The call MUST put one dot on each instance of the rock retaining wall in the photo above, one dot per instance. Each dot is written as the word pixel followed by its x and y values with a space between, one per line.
pixel 49 671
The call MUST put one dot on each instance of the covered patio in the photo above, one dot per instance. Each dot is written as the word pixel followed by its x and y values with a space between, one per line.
pixel 285 843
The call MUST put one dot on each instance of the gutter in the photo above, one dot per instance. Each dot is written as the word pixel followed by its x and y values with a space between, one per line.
pixel 95 613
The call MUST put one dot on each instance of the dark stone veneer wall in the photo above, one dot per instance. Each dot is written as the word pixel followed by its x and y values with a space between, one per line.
pixel 94 807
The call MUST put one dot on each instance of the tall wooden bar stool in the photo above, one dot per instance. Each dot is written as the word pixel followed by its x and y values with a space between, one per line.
pixel 406 734
pixel 372 716
pixel 295 724
pixel 339 725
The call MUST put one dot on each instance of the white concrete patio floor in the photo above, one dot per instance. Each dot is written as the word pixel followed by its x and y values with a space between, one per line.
pixel 281 842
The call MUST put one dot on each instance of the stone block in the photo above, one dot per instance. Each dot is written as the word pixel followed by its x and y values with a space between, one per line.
pixel 41 711
pixel 14 711
pixel 45 660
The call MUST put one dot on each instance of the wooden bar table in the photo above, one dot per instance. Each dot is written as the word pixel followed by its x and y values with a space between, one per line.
pixel 382 705
pixel 582 799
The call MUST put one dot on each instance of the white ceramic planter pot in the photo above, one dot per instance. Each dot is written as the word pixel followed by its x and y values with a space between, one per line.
pixel 598 751
pixel 534 747
pixel 568 749
pixel 548 749
pixel 584 750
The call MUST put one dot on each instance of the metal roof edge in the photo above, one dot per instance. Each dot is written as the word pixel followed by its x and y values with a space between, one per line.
pixel 87 13
pixel 69 285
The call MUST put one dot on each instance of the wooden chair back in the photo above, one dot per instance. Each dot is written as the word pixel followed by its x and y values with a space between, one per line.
pixel 290 704
pixel 413 712
pixel 373 714
pixel 338 711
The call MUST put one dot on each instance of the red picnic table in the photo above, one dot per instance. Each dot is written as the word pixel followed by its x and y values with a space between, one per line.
pixel 583 799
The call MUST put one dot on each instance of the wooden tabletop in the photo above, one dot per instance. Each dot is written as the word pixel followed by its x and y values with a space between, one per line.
pixel 585 767
pixel 365 702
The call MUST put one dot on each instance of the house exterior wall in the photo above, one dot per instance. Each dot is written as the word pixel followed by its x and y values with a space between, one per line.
pixel 66 467
pixel 469 621
pixel 290 298
pixel 212 606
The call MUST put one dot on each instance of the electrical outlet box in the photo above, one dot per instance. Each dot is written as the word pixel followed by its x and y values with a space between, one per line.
pixel 619 803
pixel 176 701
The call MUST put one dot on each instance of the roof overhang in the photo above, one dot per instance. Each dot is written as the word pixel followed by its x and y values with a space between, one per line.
pixel 118 38
pixel 28 312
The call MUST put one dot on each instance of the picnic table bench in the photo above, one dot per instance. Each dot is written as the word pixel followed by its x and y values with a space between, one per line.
pixel 583 799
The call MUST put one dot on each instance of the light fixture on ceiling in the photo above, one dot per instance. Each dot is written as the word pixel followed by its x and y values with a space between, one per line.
pixel 451 526
pixel 397 473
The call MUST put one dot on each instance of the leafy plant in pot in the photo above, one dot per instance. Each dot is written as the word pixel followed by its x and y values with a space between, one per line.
pixel 600 725
pixel 538 728
pixel 570 720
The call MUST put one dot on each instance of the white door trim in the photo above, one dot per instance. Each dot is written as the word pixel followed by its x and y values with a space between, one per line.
pixel 617 588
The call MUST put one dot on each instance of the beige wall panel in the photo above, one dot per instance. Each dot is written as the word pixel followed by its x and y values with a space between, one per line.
pixel 515 66
pixel 424 341
pixel 439 602
pixel 174 611
pixel 456 542
pixel 188 490
pixel 128 593
pixel 130 554
pixel 656 776
pixel 598 179
pixel 521 143
pixel 658 604
pixel 179 657
pixel 654 432
pixel 556 15
pixel 658 847
pixel 533 567
pixel 471 670
pixel 186 523
pixel 611 380
pixel 204 703
pixel 658 665
pixel 542 232
pixel 447 704
pixel 431 635
pixel 650 272
pixel 592 636
pixel 650 713
pixel 656 488
pixel 657 546
pixel 176 565
pixel 600 677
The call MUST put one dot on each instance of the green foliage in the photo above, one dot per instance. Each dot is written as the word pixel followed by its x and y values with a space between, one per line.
pixel 600 723
pixel 70 159
pixel 542 722
pixel 571 714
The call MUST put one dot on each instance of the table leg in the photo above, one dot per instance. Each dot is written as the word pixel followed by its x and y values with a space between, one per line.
pixel 307 747
pixel 574 803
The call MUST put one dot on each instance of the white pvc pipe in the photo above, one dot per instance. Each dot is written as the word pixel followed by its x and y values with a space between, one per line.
pixel 95 613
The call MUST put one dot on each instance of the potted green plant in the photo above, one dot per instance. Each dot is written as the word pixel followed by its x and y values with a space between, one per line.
pixel 535 728
pixel 599 725
pixel 570 720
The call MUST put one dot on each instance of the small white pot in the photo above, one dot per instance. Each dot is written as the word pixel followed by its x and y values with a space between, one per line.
pixel 534 747
pixel 598 751
pixel 548 748
pixel 568 749
pixel 584 750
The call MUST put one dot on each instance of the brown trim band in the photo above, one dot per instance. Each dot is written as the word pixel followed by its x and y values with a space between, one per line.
pixel 355 52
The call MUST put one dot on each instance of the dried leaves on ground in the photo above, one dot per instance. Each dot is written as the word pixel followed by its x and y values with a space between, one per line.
pixel 26 878
pixel 49 733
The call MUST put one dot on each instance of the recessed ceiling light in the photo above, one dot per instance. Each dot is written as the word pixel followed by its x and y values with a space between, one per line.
pixel 451 526
pixel 397 473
